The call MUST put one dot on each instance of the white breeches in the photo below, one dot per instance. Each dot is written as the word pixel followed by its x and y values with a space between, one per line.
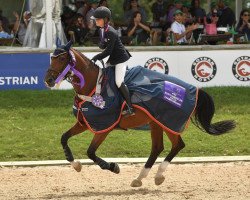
pixel 120 70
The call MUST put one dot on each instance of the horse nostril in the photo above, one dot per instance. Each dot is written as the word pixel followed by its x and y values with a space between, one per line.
pixel 50 82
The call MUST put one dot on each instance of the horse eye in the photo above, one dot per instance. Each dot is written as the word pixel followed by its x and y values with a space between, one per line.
pixel 61 59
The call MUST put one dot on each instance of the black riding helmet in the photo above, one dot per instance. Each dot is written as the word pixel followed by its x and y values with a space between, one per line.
pixel 102 12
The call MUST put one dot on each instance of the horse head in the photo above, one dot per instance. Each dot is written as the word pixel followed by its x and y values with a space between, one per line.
pixel 59 61
pixel 68 63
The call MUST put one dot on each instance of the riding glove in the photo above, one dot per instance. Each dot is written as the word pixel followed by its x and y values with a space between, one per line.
pixel 94 59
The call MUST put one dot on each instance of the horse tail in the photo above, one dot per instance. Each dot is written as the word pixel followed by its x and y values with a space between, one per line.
pixel 204 113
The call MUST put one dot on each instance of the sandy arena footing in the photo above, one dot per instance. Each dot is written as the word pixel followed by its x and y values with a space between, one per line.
pixel 183 181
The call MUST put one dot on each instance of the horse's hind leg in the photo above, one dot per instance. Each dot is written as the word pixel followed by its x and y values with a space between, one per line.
pixel 76 129
pixel 157 148
pixel 177 145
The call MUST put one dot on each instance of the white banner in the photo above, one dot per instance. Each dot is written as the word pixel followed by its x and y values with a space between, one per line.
pixel 199 68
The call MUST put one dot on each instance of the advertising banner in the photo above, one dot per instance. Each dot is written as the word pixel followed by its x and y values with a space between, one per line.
pixel 23 71
pixel 199 68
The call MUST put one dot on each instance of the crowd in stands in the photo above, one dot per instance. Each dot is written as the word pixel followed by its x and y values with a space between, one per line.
pixel 4 27
pixel 16 30
pixel 180 22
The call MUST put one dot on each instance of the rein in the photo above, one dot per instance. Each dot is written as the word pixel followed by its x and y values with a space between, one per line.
pixel 96 99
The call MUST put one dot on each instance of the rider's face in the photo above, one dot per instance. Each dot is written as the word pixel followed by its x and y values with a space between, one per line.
pixel 99 22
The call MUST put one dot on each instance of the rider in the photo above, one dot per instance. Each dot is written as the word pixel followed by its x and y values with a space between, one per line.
pixel 113 47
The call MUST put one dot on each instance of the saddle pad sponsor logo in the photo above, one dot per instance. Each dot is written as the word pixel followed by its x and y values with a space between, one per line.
pixel 174 94
pixel 241 68
pixel 157 64
pixel 203 69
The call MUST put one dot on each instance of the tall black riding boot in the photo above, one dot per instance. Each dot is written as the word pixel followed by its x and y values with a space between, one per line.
pixel 125 93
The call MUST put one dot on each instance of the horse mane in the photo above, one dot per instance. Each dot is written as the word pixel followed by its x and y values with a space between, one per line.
pixel 89 62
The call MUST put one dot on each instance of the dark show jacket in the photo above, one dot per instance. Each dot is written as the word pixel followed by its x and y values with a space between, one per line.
pixel 113 47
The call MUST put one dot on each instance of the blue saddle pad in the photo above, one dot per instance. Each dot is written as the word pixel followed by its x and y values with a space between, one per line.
pixel 166 99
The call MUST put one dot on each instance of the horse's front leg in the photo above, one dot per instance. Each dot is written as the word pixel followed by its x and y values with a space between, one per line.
pixel 76 129
pixel 157 148
pixel 95 143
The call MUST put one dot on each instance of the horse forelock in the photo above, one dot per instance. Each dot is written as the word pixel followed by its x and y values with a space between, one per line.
pixel 58 52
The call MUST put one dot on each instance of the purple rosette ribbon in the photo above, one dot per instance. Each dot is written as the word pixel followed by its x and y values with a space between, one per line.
pixel 97 101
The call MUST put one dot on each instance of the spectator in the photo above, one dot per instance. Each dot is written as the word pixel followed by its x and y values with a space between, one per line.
pixel 181 34
pixel 3 33
pixel 81 7
pixel 167 23
pixel 21 25
pixel 188 19
pixel 5 22
pixel 79 29
pixel 170 15
pixel 226 14
pixel 159 9
pixel 212 16
pixel 211 22
pixel 67 19
pixel 134 6
pixel 197 12
pixel 139 31
pixel 244 25
pixel 91 22
pixel 199 15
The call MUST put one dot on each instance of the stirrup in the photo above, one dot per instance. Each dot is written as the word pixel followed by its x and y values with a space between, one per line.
pixel 128 112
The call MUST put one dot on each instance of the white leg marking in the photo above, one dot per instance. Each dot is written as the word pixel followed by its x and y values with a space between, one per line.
pixel 159 178
pixel 137 182
pixel 144 173
pixel 162 168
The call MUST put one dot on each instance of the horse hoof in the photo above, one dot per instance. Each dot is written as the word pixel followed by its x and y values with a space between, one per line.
pixel 159 180
pixel 136 183
pixel 115 168
pixel 77 166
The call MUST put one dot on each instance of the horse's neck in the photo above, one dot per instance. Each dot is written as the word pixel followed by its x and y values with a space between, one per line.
pixel 89 72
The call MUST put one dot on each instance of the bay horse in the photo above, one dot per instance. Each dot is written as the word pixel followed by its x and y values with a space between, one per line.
pixel 83 78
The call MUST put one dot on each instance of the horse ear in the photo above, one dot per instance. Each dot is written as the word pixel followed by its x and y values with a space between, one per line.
pixel 58 42
pixel 68 45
